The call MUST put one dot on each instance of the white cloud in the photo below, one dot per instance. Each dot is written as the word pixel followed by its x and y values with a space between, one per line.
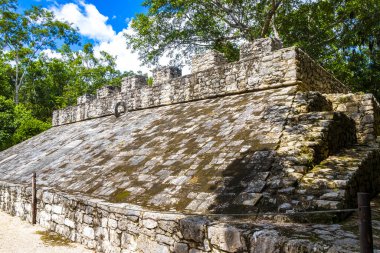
pixel 117 47
pixel 87 18
pixel 52 54
pixel 92 24
pixel 127 20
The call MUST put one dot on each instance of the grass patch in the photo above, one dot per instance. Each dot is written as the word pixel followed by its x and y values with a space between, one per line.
pixel 53 239
pixel 119 196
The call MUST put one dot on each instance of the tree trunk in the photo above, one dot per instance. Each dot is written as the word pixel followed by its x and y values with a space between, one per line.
pixel 17 95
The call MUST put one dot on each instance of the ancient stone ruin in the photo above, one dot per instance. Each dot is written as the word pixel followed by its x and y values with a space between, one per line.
pixel 207 162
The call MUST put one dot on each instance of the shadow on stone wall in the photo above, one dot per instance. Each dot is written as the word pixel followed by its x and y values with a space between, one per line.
pixel 244 181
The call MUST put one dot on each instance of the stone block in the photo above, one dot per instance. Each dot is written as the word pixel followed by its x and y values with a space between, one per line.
pixel 128 241
pixel 193 228
pixel 132 83
pixel 226 238
pixel 207 60
pixel 47 197
pixel 57 209
pixel 181 248
pixel 69 223
pixel 115 238
pixel 148 245
pixel 86 98
pixel 259 48
pixel 89 232
pixel 107 91
pixel 163 74
pixel 150 224
pixel 112 223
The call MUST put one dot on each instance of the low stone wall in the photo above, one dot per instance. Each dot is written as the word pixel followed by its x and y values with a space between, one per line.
pixel 107 227
pixel 314 77
pixel 271 68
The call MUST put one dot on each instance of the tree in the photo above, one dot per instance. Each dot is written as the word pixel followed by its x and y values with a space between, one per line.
pixel 55 83
pixel 23 36
pixel 181 27
pixel 17 123
pixel 343 36
pixel 6 73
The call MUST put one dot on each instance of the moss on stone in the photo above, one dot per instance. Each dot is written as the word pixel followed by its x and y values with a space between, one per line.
pixel 53 239
pixel 119 196
pixel 344 99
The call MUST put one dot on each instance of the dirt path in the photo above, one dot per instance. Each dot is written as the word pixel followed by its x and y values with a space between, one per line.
pixel 17 236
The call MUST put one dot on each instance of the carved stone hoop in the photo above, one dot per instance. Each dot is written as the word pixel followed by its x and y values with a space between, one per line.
pixel 117 112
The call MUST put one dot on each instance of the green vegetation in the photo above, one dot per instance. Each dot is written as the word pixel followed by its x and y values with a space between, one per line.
pixel 343 36
pixel 119 196
pixel 53 239
pixel 17 123
pixel 32 83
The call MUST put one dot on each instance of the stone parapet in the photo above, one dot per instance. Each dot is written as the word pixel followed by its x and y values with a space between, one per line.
pixel 268 69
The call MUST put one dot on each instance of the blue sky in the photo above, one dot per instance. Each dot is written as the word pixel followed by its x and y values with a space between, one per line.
pixel 102 22
pixel 117 10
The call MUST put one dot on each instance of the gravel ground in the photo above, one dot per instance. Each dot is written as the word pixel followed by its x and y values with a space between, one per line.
pixel 17 236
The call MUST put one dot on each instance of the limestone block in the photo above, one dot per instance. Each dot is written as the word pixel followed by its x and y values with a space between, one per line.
pixel 47 197
pixel 147 245
pixel 132 83
pixel 107 91
pixel 259 48
pixel 112 223
pixel 150 224
pixel 115 238
pixel 57 209
pixel 265 241
pixel 86 98
pixel 89 232
pixel 193 228
pixel 69 223
pixel 181 248
pixel 128 241
pixel 208 60
pixel 163 74
pixel 226 238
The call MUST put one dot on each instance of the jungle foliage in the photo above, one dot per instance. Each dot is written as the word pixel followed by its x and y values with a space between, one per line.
pixel 39 72
pixel 342 35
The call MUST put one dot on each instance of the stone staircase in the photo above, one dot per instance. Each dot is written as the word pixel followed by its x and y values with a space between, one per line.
pixel 320 163
pixel 334 182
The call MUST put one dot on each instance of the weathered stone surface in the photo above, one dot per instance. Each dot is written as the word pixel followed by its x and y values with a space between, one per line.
pixel 89 232
pixel 181 248
pixel 193 228
pixel 146 245
pixel 226 238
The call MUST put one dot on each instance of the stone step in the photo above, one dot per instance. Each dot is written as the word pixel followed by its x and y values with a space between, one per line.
pixel 339 177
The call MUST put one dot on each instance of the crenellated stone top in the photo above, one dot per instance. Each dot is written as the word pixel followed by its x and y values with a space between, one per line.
pixel 263 64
